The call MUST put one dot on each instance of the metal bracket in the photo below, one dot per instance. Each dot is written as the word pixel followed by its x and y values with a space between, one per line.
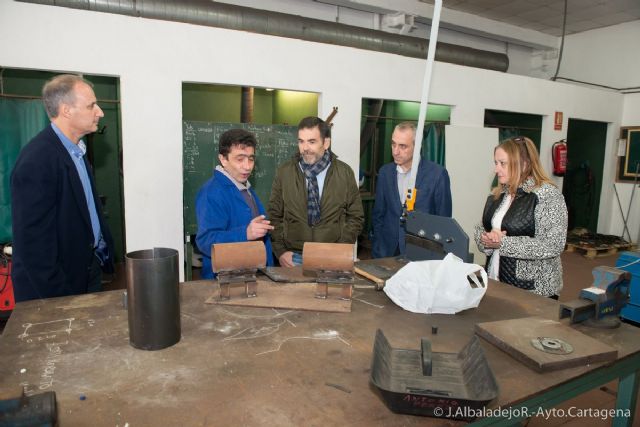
pixel 327 277
pixel 246 277
pixel 322 290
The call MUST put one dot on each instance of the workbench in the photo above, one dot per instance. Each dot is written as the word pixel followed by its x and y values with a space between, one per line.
pixel 255 366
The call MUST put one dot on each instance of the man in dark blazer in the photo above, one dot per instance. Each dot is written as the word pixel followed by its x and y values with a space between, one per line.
pixel 433 192
pixel 61 241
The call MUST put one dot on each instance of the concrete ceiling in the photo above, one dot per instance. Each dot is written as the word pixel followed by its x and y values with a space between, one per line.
pixel 534 23
pixel 546 15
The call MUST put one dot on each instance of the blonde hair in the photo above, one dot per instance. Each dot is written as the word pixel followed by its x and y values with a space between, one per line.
pixel 524 162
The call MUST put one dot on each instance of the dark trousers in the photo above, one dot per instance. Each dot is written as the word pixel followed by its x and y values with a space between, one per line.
pixel 95 276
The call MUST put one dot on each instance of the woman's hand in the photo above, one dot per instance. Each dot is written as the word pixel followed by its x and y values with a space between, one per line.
pixel 492 239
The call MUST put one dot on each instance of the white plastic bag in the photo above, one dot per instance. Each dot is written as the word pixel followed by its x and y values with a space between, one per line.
pixel 441 286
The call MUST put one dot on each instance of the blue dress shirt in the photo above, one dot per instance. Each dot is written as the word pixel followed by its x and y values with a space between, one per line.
pixel 77 152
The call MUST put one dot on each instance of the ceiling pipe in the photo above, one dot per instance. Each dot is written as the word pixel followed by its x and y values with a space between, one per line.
pixel 209 13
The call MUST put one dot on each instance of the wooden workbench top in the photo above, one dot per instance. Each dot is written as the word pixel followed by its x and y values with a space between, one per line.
pixel 251 366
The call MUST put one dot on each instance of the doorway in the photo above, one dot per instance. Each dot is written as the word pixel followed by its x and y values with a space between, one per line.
pixel 210 109
pixel 20 86
pixel 586 141
pixel 378 120
pixel 511 124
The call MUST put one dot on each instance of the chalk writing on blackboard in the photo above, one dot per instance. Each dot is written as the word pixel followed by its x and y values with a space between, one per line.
pixel 276 144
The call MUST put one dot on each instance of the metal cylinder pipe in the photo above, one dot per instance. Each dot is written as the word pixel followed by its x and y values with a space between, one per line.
pixel 238 256
pixel 153 298
pixel 327 256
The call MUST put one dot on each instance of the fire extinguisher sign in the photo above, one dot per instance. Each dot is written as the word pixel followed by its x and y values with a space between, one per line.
pixel 557 121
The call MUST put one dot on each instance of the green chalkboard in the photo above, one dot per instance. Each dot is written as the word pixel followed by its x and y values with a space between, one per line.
pixel 276 144
pixel 629 162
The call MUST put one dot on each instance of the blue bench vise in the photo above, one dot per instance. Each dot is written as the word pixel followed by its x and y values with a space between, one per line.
pixel 600 304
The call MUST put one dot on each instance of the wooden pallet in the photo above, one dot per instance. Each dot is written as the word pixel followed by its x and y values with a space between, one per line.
pixel 598 251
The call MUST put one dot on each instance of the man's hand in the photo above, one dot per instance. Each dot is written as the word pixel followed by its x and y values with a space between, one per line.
pixel 258 228
pixel 286 259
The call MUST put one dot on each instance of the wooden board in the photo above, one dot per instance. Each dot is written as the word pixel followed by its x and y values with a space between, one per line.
pixel 277 363
pixel 291 296
pixel 589 251
pixel 514 337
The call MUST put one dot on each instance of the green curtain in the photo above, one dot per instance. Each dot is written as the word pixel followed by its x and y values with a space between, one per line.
pixel 532 134
pixel 506 133
pixel 20 120
pixel 433 143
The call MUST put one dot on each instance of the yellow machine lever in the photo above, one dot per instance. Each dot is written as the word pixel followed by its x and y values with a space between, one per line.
pixel 412 193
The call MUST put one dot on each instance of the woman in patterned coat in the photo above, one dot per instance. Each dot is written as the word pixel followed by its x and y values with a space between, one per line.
pixel 524 223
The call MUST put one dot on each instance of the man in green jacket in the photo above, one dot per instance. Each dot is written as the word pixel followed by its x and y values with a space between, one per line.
pixel 314 197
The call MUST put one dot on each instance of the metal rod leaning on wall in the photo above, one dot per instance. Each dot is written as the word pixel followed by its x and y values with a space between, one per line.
pixel 624 220
pixel 633 191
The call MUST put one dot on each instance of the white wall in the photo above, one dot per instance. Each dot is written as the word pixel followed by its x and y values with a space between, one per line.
pixel 630 117
pixel 468 192
pixel 631 110
pixel 152 59
pixel 606 56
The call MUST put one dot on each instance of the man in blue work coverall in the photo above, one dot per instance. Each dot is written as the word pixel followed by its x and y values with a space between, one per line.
pixel 227 209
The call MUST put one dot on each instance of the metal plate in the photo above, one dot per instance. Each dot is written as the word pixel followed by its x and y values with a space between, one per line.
pixel 552 345
pixel 449 384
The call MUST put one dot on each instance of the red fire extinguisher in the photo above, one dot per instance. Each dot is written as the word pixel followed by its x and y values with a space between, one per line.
pixel 559 157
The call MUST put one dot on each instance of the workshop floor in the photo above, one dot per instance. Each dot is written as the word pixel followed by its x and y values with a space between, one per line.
pixel 577 275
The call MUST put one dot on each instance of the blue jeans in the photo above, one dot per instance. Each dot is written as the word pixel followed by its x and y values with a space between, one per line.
pixel 297 258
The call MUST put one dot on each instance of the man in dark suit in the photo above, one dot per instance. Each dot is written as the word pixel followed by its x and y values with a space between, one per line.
pixel 61 242
pixel 433 192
